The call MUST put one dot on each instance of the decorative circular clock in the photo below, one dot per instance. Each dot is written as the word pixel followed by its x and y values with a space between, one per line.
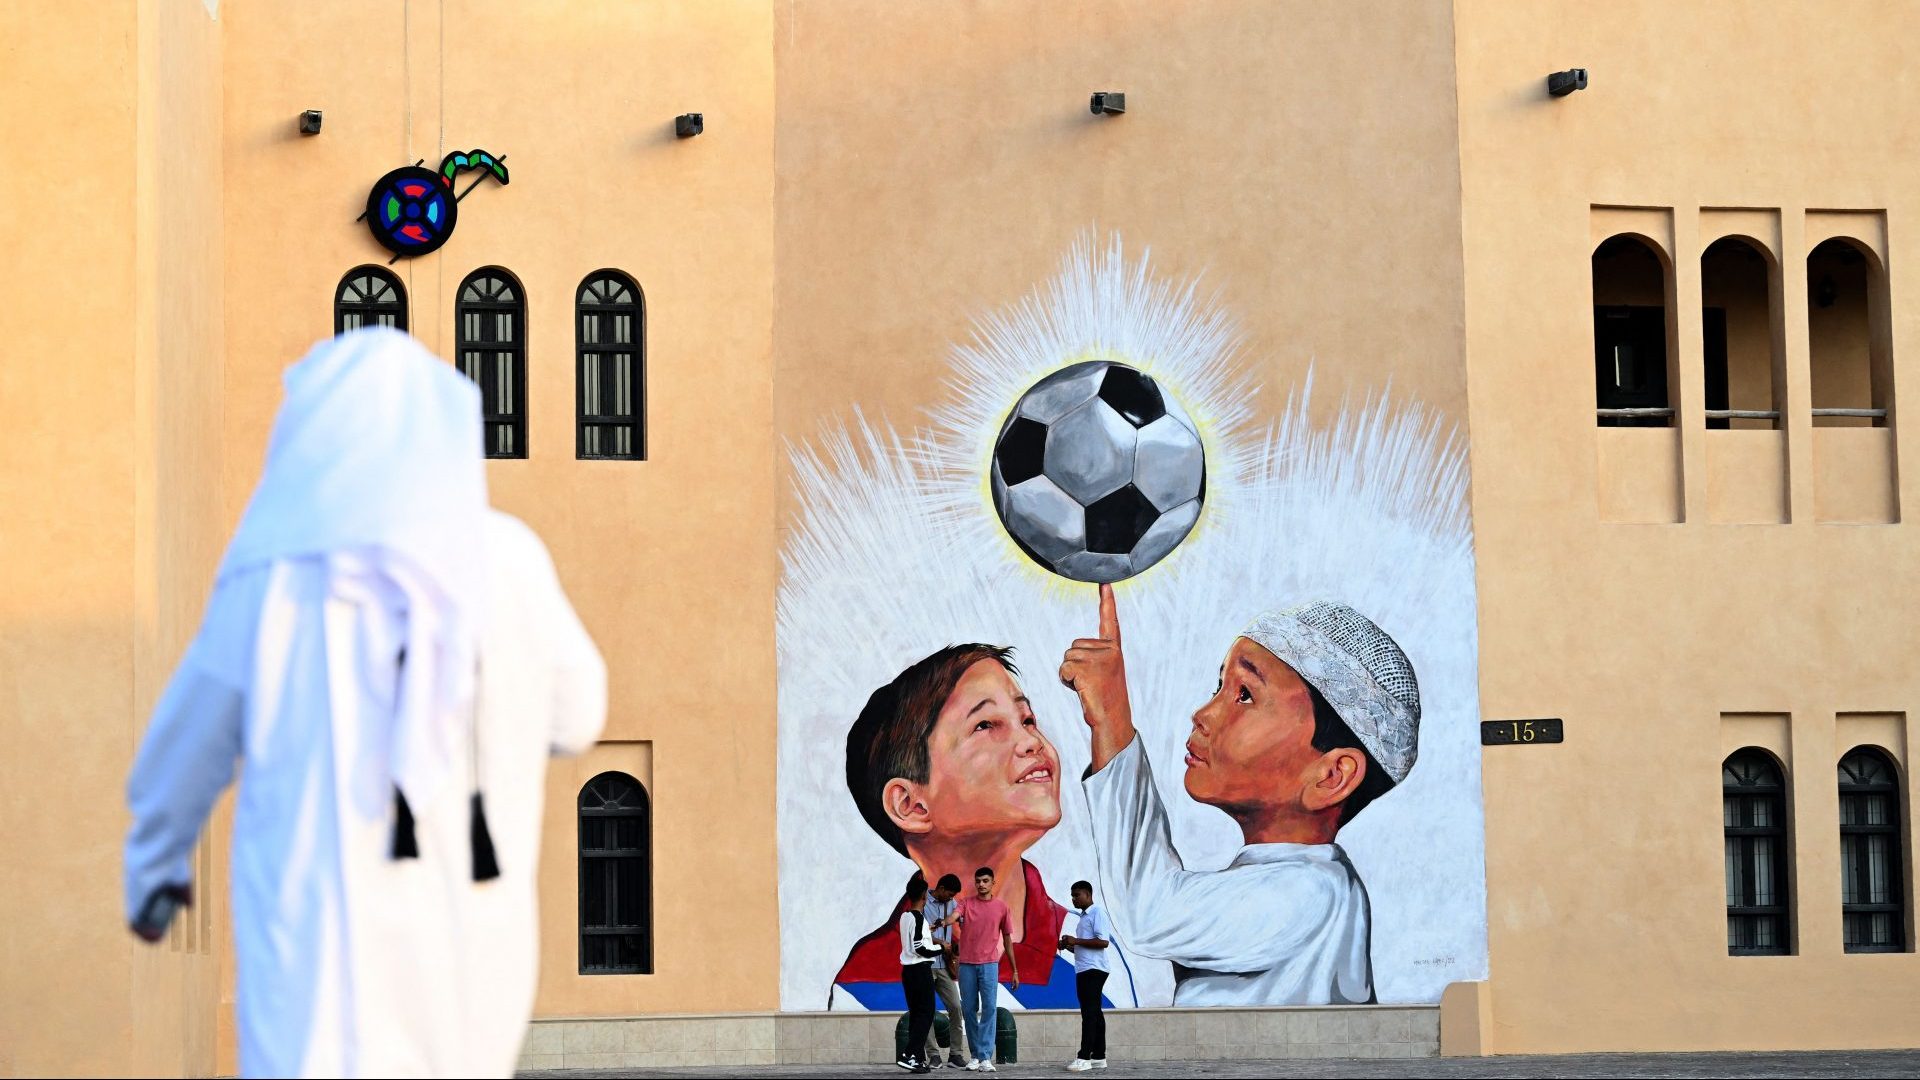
pixel 412 210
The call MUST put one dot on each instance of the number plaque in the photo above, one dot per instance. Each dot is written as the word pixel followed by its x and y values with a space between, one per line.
pixel 1505 732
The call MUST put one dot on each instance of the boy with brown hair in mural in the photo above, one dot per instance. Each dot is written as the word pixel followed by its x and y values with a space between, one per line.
pixel 948 765
pixel 1316 715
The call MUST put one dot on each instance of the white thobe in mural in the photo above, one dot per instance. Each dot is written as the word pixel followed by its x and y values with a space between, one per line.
pixel 1283 924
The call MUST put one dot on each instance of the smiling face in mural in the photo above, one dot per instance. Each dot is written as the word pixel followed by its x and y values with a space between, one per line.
pixel 1251 750
pixel 989 767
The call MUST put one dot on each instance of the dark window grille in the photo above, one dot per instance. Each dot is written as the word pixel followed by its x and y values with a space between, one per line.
pixel 1753 808
pixel 612 369
pixel 616 877
pixel 490 331
pixel 369 296
pixel 1872 915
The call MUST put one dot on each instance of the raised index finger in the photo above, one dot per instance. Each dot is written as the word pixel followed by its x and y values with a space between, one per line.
pixel 1109 616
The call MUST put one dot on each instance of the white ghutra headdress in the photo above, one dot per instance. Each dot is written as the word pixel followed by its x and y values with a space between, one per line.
pixel 1359 670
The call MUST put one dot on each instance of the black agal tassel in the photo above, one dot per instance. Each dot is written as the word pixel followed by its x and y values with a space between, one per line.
pixel 405 845
pixel 485 867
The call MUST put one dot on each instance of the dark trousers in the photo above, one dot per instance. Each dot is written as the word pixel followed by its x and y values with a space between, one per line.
pixel 917 981
pixel 1093 1022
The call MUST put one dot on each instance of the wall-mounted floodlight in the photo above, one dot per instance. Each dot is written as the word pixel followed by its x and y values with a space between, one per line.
pixel 310 122
pixel 687 125
pixel 1108 103
pixel 1826 292
pixel 1562 83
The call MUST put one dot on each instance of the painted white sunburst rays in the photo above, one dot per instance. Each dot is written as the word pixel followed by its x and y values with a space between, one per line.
pixel 1099 305
pixel 897 552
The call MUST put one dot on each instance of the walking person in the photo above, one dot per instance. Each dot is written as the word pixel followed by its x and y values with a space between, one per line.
pixel 917 954
pixel 384 919
pixel 985 938
pixel 1089 942
pixel 942 912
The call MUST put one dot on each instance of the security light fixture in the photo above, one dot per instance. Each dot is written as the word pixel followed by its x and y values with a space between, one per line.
pixel 1562 83
pixel 310 122
pixel 1826 292
pixel 1109 103
pixel 687 125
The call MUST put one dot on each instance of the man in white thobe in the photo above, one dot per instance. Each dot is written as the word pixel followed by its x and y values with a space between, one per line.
pixel 1316 715
pixel 379 649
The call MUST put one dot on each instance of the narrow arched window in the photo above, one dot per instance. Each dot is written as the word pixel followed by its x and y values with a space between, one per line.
pixel 1873 916
pixel 612 369
pixel 490 334
pixel 1630 334
pixel 1738 281
pixel 1847 337
pixel 616 876
pixel 369 296
pixel 1753 798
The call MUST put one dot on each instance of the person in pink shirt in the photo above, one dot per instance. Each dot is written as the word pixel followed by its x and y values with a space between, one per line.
pixel 985 934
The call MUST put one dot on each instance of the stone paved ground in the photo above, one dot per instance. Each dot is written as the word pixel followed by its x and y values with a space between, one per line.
pixel 1830 1063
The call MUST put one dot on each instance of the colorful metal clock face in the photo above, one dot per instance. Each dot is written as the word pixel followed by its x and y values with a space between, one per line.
pixel 411 211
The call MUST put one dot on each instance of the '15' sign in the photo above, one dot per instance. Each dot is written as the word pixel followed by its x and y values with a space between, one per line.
pixel 1504 732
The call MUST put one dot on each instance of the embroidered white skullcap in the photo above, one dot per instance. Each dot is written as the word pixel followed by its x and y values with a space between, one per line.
pixel 1359 670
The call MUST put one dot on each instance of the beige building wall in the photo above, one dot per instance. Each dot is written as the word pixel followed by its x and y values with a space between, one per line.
pixel 1604 858
pixel 669 561
pixel 111 378
pixel 934 165
pixel 1672 593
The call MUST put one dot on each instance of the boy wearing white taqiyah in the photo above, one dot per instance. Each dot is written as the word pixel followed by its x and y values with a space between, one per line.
pixel 1316 715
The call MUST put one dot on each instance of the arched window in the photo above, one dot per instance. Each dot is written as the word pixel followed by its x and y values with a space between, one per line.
pixel 1873 918
pixel 1630 351
pixel 1753 811
pixel 616 876
pixel 1846 315
pixel 612 369
pixel 490 335
pixel 1738 280
pixel 369 296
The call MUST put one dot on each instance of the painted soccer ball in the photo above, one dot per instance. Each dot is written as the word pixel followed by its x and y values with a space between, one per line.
pixel 1097 474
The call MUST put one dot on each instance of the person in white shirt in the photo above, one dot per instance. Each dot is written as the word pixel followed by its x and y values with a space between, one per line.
pixel 1089 943
pixel 1316 715
pixel 943 912
pixel 384 918
pixel 918 951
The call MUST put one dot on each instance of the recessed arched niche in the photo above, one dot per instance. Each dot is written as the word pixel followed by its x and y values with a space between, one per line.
pixel 1742 371
pixel 1850 369
pixel 1636 409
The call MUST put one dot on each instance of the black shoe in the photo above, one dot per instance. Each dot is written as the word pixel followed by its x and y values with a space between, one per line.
pixel 907 1062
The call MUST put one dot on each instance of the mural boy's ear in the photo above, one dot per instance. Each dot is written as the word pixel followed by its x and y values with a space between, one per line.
pixel 1335 775
pixel 901 799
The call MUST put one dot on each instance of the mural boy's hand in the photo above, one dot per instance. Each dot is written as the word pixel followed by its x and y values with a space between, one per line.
pixel 1096 670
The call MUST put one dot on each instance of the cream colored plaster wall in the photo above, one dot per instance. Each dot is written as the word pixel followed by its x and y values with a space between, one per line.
pixel 936 163
pixel 69 122
pixel 178 384
pixel 111 378
pixel 669 561
pixel 1604 853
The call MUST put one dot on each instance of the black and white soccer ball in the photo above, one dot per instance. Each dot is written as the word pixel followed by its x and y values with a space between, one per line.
pixel 1098 474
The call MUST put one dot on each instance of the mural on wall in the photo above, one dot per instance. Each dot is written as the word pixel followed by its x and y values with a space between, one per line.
pixel 1131 609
